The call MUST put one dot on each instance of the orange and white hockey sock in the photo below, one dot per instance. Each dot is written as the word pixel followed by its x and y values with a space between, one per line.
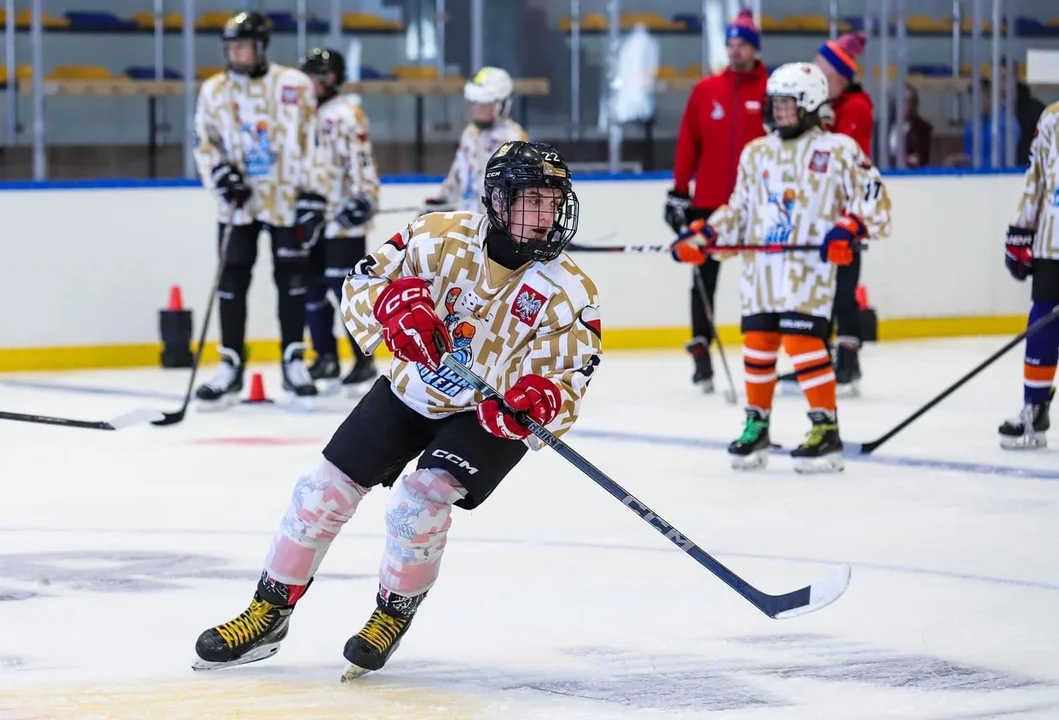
pixel 759 367
pixel 812 367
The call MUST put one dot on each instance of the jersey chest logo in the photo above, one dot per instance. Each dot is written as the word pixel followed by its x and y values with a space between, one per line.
pixel 527 305
pixel 820 160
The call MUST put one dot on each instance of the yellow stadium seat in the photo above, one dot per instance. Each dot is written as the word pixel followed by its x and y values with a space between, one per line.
pixel 212 20
pixel 652 21
pixel 812 23
pixel 81 72
pixel 667 72
pixel 368 21
pixel 24 19
pixel 1052 22
pixel 23 73
pixel 204 73
pixel 967 26
pixel 591 21
pixel 770 24
pixel 891 72
pixel 415 72
pixel 693 70
pixel 172 21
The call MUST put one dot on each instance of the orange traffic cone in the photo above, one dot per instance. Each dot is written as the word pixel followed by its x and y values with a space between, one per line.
pixel 257 390
pixel 176 299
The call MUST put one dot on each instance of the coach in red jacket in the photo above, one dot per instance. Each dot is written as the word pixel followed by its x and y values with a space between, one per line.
pixel 854 116
pixel 723 114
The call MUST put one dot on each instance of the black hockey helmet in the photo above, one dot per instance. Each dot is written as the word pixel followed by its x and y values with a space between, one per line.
pixel 516 167
pixel 323 61
pixel 248 25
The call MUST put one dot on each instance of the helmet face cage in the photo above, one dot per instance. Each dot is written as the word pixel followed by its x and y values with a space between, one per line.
pixel 563 225
pixel 251 26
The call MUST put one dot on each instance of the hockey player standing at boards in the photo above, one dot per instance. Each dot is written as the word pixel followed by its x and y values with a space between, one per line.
pixel 498 292
pixel 255 126
pixel 345 165
pixel 798 185
pixel 1032 248
pixel 489 95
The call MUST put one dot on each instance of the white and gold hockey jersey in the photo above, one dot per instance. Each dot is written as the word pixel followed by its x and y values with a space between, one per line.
pixel 1039 205
pixel 265 127
pixel 465 184
pixel 791 192
pixel 344 163
pixel 542 318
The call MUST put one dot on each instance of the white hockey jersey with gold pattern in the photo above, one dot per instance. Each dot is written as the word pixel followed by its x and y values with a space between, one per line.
pixel 542 318
pixel 344 163
pixel 465 184
pixel 791 192
pixel 1039 205
pixel 265 127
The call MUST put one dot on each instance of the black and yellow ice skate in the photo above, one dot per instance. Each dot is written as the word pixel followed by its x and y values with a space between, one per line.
pixel 370 648
pixel 1026 431
pixel 822 450
pixel 255 634
pixel 751 449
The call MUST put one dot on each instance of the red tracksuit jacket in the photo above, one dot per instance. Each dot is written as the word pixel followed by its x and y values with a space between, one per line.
pixel 854 116
pixel 723 114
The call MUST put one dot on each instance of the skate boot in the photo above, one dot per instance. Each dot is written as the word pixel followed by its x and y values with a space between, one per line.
pixel 370 648
pixel 751 450
pixel 296 378
pixel 224 387
pixel 256 633
pixel 360 376
pixel 847 371
pixel 325 372
pixel 1026 431
pixel 822 450
pixel 699 347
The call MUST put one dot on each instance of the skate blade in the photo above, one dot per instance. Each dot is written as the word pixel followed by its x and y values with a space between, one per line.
pixel 225 402
pixel 1024 442
pixel 259 653
pixel 303 403
pixel 753 461
pixel 354 672
pixel 328 387
pixel 829 463
pixel 848 390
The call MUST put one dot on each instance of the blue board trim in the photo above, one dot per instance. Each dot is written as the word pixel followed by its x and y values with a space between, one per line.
pixel 133 184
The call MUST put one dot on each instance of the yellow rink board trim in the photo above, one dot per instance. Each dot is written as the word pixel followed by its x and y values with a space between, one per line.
pixel 662 338
pixel 244 696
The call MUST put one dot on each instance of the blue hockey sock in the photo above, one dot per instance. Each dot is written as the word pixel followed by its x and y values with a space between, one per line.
pixel 320 317
pixel 1042 355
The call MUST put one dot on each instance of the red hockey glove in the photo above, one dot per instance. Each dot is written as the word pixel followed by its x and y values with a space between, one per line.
pixel 410 327
pixel 1018 252
pixel 841 240
pixel 693 245
pixel 532 394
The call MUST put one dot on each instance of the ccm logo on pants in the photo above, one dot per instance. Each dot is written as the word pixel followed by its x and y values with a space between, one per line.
pixel 455 460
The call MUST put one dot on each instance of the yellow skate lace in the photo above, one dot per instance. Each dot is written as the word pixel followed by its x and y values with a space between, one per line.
pixel 816 434
pixel 252 622
pixel 381 630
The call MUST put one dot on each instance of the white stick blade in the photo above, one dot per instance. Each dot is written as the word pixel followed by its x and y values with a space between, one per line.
pixel 822 593
pixel 136 417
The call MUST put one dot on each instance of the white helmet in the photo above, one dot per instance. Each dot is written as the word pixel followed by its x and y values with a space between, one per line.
pixel 805 83
pixel 491 85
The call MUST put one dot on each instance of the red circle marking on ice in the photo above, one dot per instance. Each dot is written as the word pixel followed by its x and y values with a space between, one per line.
pixel 256 441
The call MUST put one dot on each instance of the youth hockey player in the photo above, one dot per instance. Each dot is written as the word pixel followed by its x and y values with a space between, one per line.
pixel 1032 248
pixel 489 94
pixel 345 166
pixel 254 127
pixel 495 290
pixel 798 185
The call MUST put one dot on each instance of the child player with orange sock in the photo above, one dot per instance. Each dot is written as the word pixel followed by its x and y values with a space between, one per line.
pixel 798 185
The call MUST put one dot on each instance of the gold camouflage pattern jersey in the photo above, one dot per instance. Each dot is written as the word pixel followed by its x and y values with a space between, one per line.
pixel 464 186
pixel 344 163
pixel 265 127
pixel 541 319
pixel 1039 205
pixel 791 192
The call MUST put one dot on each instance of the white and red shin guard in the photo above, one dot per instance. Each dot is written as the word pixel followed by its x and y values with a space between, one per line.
pixel 417 525
pixel 322 502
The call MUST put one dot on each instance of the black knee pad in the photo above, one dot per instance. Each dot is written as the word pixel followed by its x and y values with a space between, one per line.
pixel 235 282
pixel 291 278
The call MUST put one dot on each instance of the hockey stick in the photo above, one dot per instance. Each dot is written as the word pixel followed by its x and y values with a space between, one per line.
pixel 119 423
pixel 799 602
pixel 393 211
pixel 666 249
pixel 857 449
pixel 730 395
pixel 174 417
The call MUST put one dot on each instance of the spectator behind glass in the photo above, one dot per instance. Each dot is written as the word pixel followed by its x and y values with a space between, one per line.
pixel 1028 110
pixel 985 123
pixel 919 134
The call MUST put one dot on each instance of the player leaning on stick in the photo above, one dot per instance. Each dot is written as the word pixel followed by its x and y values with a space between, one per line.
pixel 1032 248
pixel 497 292
pixel 800 184
pixel 345 165
pixel 254 127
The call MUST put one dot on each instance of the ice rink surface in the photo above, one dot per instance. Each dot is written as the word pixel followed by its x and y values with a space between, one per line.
pixel 118 548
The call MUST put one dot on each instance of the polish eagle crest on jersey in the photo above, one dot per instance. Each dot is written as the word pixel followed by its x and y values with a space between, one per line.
pixel 792 192
pixel 542 318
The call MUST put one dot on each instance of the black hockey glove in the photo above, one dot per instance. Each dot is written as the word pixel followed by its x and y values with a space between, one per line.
pixel 356 212
pixel 310 212
pixel 677 205
pixel 230 184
